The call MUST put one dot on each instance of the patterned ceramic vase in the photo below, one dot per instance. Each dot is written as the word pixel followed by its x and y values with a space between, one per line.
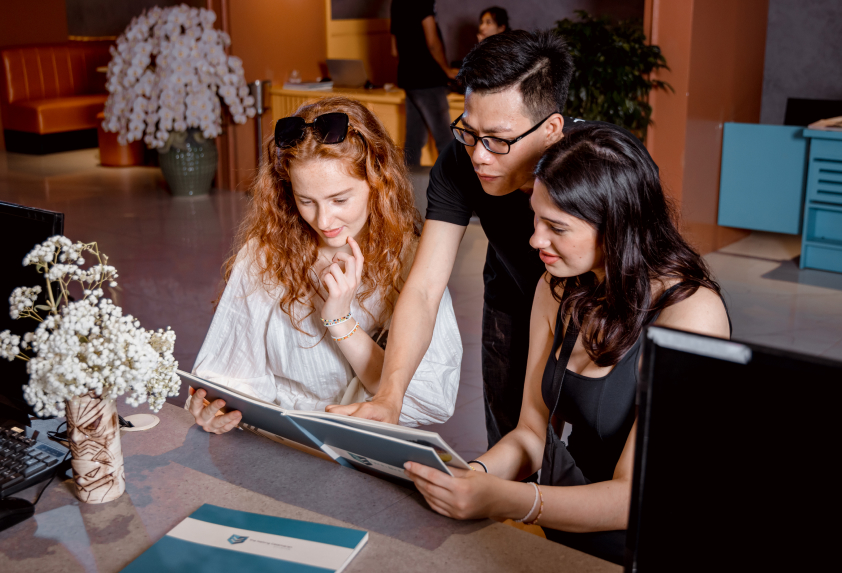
pixel 94 434
pixel 189 163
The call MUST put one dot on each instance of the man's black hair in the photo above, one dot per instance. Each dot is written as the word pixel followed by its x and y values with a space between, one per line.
pixel 538 62
pixel 499 15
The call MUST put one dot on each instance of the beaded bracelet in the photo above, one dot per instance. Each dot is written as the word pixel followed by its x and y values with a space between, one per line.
pixel 540 510
pixel 349 335
pixel 337 320
pixel 534 504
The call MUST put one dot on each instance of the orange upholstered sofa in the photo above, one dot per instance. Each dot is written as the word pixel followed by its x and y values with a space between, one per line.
pixel 51 94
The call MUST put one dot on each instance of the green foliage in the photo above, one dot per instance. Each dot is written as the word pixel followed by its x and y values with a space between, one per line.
pixel 612 63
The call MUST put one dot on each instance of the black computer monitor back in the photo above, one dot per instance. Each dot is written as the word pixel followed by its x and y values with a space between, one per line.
pixel 735 460
pixel 21 228
pixel 801 111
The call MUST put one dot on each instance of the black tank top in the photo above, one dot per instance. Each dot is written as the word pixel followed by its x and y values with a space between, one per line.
pixel 601 411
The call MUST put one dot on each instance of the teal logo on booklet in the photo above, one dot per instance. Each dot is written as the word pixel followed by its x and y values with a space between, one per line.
pixel 235 539
pixel 360 459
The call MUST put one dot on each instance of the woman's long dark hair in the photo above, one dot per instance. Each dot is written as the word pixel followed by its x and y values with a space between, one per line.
pixel 599 174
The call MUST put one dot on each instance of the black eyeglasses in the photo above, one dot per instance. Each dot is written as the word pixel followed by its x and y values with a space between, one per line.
pixel 331 128
pixel 496 145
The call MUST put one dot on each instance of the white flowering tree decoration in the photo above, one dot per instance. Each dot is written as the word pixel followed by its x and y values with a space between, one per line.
pixel 85 346
pixel 167 74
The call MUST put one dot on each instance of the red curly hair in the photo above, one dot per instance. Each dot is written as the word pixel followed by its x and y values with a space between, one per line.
pixel 287 247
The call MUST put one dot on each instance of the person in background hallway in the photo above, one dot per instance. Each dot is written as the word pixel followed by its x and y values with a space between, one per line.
pixel 320 258
pixel 423 73
pixel 494 20
pixel 615 262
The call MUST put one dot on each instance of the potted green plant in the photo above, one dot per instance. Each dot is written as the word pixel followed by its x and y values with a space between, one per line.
pixel 612 64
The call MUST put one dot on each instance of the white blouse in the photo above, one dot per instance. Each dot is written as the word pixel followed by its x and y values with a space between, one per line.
pixel 253 347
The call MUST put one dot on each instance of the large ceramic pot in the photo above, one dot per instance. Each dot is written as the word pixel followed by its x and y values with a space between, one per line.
pixel 93 431
pixel 189 163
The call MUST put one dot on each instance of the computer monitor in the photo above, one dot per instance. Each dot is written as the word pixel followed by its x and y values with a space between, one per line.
pixel 735 458
pixel 801 111
pixel 347 73
pixel 21 228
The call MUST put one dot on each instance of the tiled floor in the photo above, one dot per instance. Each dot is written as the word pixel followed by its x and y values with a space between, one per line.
pixel 773 302
pixel 169 253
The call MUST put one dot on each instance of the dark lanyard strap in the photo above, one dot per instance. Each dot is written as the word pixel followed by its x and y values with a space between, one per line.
pixel 563 358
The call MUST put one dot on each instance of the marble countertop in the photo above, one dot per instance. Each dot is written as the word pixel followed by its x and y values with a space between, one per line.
pixel 175 467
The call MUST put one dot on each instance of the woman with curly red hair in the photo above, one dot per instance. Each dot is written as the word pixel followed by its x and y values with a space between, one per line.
pixel 322 255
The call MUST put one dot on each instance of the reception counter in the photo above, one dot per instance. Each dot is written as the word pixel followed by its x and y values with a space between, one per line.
pixel 175 467
pixel 388 105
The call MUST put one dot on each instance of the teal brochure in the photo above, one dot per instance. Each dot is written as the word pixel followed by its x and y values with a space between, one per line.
pixel 219 540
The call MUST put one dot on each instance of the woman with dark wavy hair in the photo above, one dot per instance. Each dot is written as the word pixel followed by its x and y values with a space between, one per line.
pixel 615 263
pixel 321 257
pixel 494 20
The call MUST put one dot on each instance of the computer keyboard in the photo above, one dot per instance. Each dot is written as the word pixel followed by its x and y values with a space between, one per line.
pixel 25 461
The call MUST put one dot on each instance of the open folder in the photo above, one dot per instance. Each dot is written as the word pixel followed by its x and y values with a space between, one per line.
pixel 363 444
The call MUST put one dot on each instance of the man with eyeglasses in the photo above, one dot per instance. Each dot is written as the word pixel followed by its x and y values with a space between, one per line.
pixel 516 86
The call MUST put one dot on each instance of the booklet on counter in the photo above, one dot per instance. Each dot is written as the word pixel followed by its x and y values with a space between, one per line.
pixel 309 86
pixel 353 442
pixel 830 124
pixel 233 540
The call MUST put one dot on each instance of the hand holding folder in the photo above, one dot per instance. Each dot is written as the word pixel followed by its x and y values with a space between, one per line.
pixel 367 445
pixel 210 415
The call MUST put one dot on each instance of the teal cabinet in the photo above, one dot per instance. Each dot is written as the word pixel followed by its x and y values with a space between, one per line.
pixel 761 184
pixel 821 246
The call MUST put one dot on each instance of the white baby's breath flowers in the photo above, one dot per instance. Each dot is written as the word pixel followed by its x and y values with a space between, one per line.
pixel 9 348
pixel 88 345
pixel 168 72
pixel 22 300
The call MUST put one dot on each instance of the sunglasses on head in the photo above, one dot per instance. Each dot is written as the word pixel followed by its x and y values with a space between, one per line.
pixel 330 127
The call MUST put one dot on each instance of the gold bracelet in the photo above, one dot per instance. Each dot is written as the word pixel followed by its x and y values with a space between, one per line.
pixel 540 509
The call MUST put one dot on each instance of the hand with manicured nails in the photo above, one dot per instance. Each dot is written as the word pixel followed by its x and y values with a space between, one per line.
pixel 209 416
pixel 342 285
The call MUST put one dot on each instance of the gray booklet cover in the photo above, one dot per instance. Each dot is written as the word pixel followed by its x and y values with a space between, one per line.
pixel 353 442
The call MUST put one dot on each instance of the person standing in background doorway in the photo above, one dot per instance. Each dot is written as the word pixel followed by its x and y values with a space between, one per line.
pixel 494 20
pixel 423 73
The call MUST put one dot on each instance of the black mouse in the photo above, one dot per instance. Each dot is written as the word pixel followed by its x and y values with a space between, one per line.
pixel 14 510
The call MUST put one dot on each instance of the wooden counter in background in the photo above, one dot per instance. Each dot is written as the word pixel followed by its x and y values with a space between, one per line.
pixel 387 105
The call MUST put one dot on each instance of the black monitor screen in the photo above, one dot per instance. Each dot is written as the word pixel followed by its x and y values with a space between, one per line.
pixel 21 228
pixel 806 111
pixel 735 459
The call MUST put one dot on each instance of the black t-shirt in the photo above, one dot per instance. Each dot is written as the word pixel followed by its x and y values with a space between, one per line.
pixel 512 267
pixel 416 67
